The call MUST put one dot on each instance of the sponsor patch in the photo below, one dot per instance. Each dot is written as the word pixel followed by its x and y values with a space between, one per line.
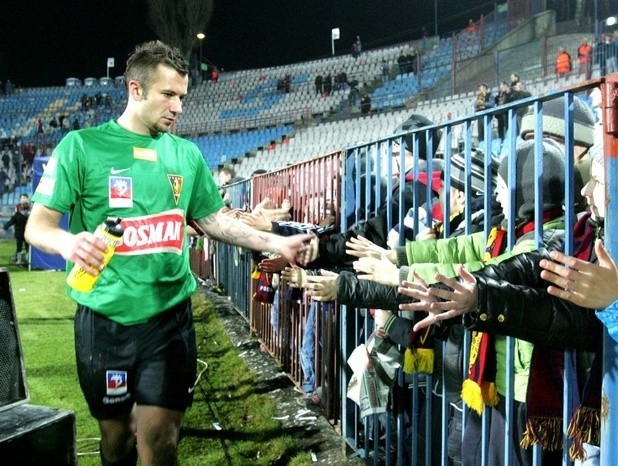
pixel 145 154
pixel 120 191
pixel 163 232
pixel 176 182
pixel 116 382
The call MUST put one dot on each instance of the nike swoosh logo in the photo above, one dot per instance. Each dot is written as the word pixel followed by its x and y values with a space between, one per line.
pixel 113 171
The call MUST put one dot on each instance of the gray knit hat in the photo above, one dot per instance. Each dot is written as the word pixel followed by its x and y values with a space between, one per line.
pixel 554 124
pixel 417 121
pixel 553 177
pixel 477 171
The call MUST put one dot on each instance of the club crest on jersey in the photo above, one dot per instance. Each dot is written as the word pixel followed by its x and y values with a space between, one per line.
pixel 116 382
pixel 120 191
pixel 176 183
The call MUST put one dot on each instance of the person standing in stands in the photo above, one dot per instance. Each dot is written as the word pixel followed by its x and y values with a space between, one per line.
pixel 612 54
pixel 227 176
pixel 318 84
pixel 134 334
pixel 584 57
pixel 563 62
pixel 518 92
pixel 501 99
pixel 484 101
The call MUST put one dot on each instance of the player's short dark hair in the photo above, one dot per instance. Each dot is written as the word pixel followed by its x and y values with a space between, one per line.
pixel 147 56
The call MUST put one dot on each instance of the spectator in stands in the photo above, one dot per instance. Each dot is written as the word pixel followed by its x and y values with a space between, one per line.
pixel 9 87
pixel 319 81
pixel 512 299
pixel 53 123
pixel 475 253
pixel 365 105
pixel 328 84
pixel 39 127
pixel 502 98
pixel 514 77
pixel 518 92
pixel 584 283
pixel 357 47
pixel 214 76
pixel 584 57
pixel 600 54
pixel 354 92
pixel 386 69
pixel 563 63
pixel 402 63
pixel 18 221
pixel 484 101
pixel 332 252
pixel 259 171
pixel 412 61
pixel 471 27
pixel 554 127
pixel 342 80
pixel 227 176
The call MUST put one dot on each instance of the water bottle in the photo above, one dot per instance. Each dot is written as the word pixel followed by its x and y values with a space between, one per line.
pixel 110 232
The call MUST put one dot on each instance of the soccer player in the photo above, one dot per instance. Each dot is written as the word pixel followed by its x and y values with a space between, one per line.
pixel 134 334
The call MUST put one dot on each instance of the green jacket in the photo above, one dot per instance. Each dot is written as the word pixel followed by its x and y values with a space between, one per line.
pixel 446 255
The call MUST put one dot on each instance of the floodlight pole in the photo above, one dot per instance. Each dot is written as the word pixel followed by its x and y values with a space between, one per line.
pixel 200 36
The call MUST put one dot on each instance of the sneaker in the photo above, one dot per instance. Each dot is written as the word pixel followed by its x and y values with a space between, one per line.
pixel 314 398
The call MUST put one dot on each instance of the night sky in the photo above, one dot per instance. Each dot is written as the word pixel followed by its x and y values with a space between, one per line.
pixel 43 42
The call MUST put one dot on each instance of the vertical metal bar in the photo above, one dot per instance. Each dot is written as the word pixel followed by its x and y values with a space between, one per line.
pixel 609 415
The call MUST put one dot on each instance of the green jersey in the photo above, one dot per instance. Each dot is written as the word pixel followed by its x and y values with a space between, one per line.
pixel 154 184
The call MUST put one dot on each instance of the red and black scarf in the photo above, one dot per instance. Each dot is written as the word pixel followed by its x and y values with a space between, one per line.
pixel 544 399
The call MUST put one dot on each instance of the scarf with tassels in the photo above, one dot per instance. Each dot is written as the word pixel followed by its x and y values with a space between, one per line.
pixel 419 355
pixel 479 389
pixel 546 383
pixel 585 425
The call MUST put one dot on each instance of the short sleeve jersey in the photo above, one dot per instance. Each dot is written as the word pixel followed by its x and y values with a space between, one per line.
pixel 154 184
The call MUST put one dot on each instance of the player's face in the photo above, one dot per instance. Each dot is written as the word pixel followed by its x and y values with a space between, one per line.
pixel 162 103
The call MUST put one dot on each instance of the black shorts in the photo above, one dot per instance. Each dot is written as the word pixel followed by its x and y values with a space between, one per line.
pixel 150 364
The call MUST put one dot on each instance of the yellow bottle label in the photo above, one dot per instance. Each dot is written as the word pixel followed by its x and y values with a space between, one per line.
pixel 82 281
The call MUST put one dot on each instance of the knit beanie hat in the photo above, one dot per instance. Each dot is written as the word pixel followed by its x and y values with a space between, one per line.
pixel 477 171
pixel 554 124
pixel 553 177
pixel 414 122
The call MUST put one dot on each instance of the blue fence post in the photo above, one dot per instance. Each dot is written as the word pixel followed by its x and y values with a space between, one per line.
pixel 609 415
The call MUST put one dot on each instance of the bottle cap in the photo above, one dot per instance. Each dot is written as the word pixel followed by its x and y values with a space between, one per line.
pixel 113 227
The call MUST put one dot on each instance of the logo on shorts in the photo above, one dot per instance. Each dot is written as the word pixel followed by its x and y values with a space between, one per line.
pixel 116 382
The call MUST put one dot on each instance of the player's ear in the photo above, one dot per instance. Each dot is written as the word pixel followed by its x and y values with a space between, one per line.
pixel 135 90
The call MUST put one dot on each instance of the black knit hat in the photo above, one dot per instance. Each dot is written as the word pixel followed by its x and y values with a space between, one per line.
pixel 554 124
pixel 414 122
pixel 477 171
pixel 553 177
